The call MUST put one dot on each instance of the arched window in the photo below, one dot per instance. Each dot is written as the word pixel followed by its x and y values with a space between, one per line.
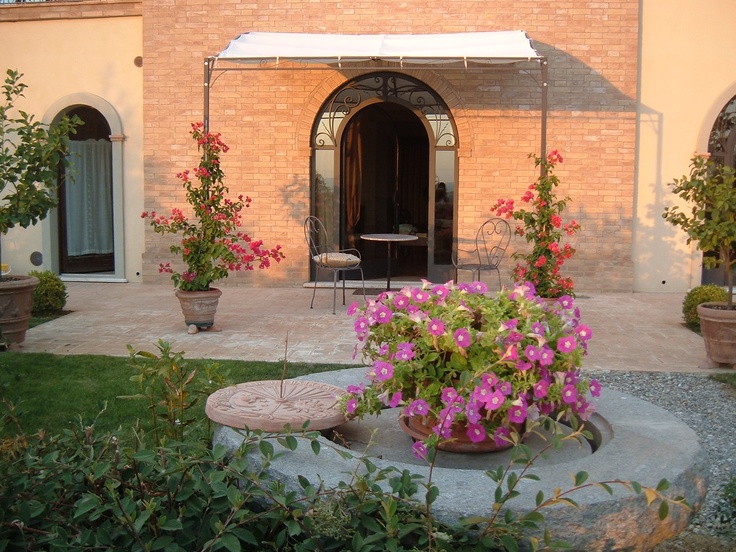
pixel 86 234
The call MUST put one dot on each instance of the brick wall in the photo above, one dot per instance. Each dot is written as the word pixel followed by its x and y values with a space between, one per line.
pixel 266 116
pixel 73 9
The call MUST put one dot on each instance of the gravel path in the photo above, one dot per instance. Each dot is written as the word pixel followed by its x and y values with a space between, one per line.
pixel 708 407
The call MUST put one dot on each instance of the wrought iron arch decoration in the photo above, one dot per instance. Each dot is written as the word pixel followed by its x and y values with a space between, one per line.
pixel 390 87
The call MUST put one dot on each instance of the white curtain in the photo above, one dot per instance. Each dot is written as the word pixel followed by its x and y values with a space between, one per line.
pixel 89 198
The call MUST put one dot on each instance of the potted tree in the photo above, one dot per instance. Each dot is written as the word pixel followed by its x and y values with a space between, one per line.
pixel 212 243
pixel 31 155
pixel 710 220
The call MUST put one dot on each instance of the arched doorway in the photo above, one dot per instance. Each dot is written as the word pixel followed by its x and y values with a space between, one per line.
pixel 722 149
pixel 85 216
pixel 384 161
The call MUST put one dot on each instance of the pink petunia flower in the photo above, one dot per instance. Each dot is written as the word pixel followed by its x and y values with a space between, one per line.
pixel 567 344
pixel 436 327
pixel 569 394
pixel 476 433
pixel 517 413
pixel 383 370
pixel 462 338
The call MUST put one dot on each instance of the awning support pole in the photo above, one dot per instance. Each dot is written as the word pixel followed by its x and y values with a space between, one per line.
pixel 208 64
pixel 545 88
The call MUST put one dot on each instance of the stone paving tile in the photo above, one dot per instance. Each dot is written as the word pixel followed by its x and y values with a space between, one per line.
pixel 631 331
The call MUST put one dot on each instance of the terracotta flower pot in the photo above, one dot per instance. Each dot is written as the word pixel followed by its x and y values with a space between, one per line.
pixel 419 428
pixel 16 304
pixel 718 327
pixel 199 307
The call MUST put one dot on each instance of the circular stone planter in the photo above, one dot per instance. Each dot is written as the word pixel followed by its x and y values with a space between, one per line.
pixel 635 440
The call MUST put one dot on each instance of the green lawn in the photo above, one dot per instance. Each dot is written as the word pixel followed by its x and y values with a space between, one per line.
pixel 51 391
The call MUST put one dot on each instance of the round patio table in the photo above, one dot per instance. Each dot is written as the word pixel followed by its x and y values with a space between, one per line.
pixel 389 239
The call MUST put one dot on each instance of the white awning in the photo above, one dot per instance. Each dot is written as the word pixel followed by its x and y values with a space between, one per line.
pixel 481 47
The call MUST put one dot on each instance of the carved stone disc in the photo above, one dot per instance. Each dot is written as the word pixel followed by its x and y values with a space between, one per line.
pixel 269 404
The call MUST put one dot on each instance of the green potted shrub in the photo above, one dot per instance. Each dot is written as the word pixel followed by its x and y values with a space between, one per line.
pixel 709 219
pixel 697 296
pixel 31 154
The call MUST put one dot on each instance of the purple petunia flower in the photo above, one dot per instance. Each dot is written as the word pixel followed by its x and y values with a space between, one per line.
pixel 514 337
pixel 472 411
pixel 400 301
pixel 436 327
pixel 404 351
pixel 540 389
pixel 538 329
pixel 478 287
pixel 500 437
pixel 417 407
pixel 517 413
pixel 523 366
pixel 419 450
pixel 441 291
pixel 595 388
pixel 476 433
pixel 462 338
pixel 505 387
pixel 353 308
pixel 546 356
pixel 395 400
pixel 449 395
pixel 532 353
pixel 511 353
pixel 510 324
pixel 356 389
pixel 382 314
pixel 351 406
pixel 569 394
pixel 419 296
pixel 565 301
pixel 495 400
pixel 361 325
pixel 383 370
pixel 584 332
pixel 567 344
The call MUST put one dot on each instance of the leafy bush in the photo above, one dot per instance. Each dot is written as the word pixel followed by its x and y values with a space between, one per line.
pixel 727 502
pixel 84 490
pixel 697 296
pixel 50 295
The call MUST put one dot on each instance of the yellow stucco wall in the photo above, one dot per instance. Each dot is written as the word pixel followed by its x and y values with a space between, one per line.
pixel 81 60
pixel 687 76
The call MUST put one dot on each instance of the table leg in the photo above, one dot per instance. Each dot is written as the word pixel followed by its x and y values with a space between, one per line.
pixel 388 269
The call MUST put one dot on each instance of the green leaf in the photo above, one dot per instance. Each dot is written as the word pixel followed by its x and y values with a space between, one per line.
pixel 664 510
pixel 230 542
pixel 580 478
pixel 161 543
pixel 266 448
pixel 85 505
pixel 509 543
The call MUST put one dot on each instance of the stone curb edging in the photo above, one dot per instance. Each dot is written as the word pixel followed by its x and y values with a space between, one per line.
pixel 647 445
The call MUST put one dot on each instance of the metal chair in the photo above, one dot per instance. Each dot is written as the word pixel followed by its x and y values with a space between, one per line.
pixel 327 258
pixel 491 242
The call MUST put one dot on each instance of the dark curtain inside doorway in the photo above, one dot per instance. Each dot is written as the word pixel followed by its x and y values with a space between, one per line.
pixel 385 171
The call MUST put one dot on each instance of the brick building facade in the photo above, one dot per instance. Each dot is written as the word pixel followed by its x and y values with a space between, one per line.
pixel 267 116
pixel 634 89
